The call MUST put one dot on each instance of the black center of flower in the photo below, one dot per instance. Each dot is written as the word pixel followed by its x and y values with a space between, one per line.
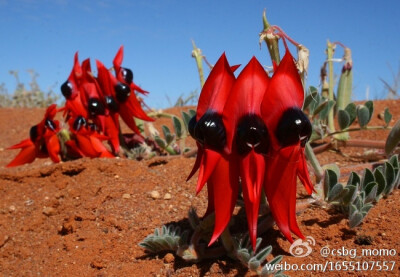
pixel 95 107
pixel 66 89
pixel 293 127
pixel 50 124
pixel 112 105
pixel 79 122
pixel 251 133
pixel 209 130
pixel 127 75
pixel 122 92
pixel 33 133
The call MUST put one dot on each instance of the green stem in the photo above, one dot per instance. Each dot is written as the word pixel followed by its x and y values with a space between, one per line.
pixel 272 43
pixel 330 50
pixel 196 54
pixel 319 172
pixel 358 129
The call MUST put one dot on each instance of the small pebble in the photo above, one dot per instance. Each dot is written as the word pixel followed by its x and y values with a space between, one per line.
pixel 49 211
pixel 155 194
pixel 167 196
pixel 126 196
pixel 169 258
pixel 12 208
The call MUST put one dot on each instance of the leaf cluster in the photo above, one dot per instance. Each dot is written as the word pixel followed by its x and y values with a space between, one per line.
pixel 257 260
pixel 169 142
pixel 166 238
pixel 358 196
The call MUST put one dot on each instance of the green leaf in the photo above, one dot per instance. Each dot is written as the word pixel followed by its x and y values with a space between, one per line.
pixel 394 160
pixel 358 202
pixel 334 167
pixel 344 90
pixel 368 177
pixel 177 127
pixel 169 138
pixel 314 104
pixel 165 130
pixel 387 116
pixel 355 219
pixel 262 255
pixel 350 192
pixel 311 97
pixel 390 176
pixel 343 119
pixel 371 192
pixel 325 111
pixel 380 179
pixel 363 115
pixel 354 179
pixel 351 109
pixel 366 209
pixel 192 113
pixel 253 264
pixel 335 192
pixel 393 138
pixel 186 118
pixel 160 142
pixel 370 106
pixel 352 209
pixel 330 180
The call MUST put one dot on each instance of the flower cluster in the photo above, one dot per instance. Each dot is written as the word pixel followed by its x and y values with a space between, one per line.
pixel 251 130
pixel 92 110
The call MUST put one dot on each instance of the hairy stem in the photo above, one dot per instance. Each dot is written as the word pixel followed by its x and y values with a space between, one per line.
pixel 329 52
pixel 272 42
pixel 197 55
pixel 319 172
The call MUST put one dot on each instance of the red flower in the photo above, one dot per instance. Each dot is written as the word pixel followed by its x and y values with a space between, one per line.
pixel 252 129
pixel 289 129
pixel 71 92
pixel 248 139
pixel 43 141
pixel 87 142
pixel 120 98
pixel 208 128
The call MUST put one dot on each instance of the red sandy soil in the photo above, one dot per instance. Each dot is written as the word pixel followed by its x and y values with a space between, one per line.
pixel 86 217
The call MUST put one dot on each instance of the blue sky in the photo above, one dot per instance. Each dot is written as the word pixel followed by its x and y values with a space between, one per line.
pixel 44 35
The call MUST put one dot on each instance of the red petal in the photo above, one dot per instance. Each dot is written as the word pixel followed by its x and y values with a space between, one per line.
pixel 252 169
pixel 135 87
pixel 302 172
pixel 210 159
pixel 224 183
pixel 245 97
pixel 100 148
pixel 118 59
pixel 104 79
pixel 53 148
pixel 26 155
pixel 112 132
pixel 128 118
pixel 280 188
pixel 197 163
pixel 23 144
pixel 284 91
pixel 85 145
pixel 216 89
pixel 135 108
pixel 77 70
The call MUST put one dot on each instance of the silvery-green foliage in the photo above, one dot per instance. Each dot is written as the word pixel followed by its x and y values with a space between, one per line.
pixel 358 196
